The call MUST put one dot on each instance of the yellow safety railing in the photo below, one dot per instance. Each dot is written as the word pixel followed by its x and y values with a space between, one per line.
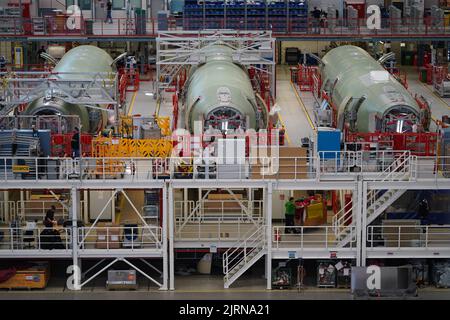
pixel 108 147
pixel 126 126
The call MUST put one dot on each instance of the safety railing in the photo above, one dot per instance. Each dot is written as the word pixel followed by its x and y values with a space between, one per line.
pixel 35 210
pixel 309 237
pixel 399 169
pixel 184 210
pixel 242 251
pixel 219 210
pixel 35 238
pixel 408 236
pixel 60 124
pixel 375 166
pixel 120 237
pixel 143 169
pixel 7 211
pixel 288 25
pixel 74 87
pixel 218 232
pixel 343 219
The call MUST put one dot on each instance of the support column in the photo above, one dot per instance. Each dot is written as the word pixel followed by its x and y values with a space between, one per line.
pixel 364 225
pixel 86 206
pixel 5 204
pixel 22 203
pixel 268 203
pixel 75 200
pixel 164 239
pixel 171 235
pixel 113 208
pixel 357 214
pixel 185 204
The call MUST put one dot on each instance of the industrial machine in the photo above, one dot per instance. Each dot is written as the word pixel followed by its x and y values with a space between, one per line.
pixel 121 280
pixel 88 59
pixel 219 93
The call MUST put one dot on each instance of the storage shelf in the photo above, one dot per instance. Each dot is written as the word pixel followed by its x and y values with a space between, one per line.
pixel 278 15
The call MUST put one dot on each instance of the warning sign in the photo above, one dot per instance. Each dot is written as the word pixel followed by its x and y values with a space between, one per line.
pixel 20 169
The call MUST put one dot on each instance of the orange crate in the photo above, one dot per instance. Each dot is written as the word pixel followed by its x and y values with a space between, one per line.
pixel 32 278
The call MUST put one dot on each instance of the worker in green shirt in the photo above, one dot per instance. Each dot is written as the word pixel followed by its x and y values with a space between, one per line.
pixel 289 215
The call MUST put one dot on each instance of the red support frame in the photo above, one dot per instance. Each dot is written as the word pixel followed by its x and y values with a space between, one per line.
pixel 420 144
pixel 60 144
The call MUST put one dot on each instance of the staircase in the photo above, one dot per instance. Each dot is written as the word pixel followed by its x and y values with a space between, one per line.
pixel 243 254
pixel 25 143
pixel 343 224
pixel 377 200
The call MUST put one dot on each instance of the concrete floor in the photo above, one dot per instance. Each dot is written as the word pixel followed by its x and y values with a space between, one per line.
pixel 439 106
pixel 140 103
pixel 204 287
pixel 292 114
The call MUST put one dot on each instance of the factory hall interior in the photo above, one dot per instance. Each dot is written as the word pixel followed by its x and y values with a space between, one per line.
pixel 204 149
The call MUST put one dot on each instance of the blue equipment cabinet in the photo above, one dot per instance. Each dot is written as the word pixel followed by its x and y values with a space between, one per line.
pixel 328 140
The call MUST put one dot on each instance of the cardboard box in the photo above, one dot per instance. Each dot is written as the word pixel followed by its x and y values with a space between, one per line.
pixel 32 278
pixel 109 237
pixel 291 165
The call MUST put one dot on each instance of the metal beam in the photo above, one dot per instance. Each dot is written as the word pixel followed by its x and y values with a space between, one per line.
pixel 357 203
pixel 101 213
pixel 164 239
pixel 99 272
pixel 171 240
pixel 83 275
pixel 247 213
pixel 75 201
pixel 197 207
pixel 268 202
pixel 141 272
pixel 364 225
pixel 139 215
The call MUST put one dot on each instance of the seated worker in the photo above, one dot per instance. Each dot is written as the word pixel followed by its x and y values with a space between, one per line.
pixel 49 220
pixel 50 237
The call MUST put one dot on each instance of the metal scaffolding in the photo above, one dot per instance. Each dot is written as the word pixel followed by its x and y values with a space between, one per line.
pixel 176 49
pixel 88 88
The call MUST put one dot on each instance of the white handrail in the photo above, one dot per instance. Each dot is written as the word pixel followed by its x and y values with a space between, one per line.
pixel 318 238
pixel 36 238
pixel 372 194
pixel 406 236
pixel 115 237
pixel 252 242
